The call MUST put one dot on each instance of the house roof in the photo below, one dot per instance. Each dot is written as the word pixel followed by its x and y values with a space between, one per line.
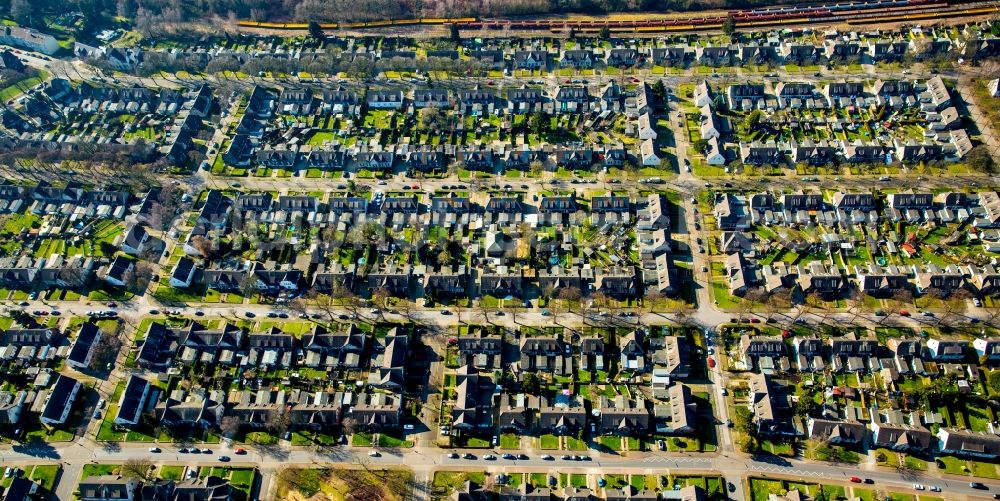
pixel 60 398
pixel 130 406
pixel 88 335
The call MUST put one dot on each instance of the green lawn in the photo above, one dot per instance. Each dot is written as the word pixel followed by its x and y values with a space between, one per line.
pixel 242 478
pixel 864 494
pixel 171 472
pixel 390 441
pixel 985 470
pixel 477 443
pixel 361 439
pixel 760 489
pixel 96 470
pixel 548 442
pixel 447 481
pixel 15 89
pixel 45 475
pixel 42 435
pixel 538 480
pixel 573 444
pixel 510 441
pixel 952 465
pixel 915 463
pixel 613 443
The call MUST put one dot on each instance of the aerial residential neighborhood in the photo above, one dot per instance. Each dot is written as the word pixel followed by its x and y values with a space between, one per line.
pixel 506 251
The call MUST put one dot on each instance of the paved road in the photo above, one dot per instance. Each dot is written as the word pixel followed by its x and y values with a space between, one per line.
pixel 426 460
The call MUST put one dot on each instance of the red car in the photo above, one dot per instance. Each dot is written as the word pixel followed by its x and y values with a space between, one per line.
pixel 904 313
pixel 755 320
pixel 856 480
pixel 240 451
pixel 711 363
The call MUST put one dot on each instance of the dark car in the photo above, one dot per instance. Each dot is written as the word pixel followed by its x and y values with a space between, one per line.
pixel 977 485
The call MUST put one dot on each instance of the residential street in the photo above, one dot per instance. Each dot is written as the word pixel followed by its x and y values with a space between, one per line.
pixel 424 460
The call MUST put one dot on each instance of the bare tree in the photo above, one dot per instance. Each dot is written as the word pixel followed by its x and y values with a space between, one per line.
pixel 137 278
pixel 278 420
pixel 328 303
pixel 751 300
pixel 160 216
pixel 106 351
pixel 571 296
pixel 407 309
pixel 73 277
pixel 300 305
pixel 556 307
pixel 249 286
pixel 230 425
pixel 902 297
pixel 348 425
pixel 138 469
pixel 490 484
pixel 601 301
pixel 368 234
pixel 953 305
pixel 204 246
pixel 651 298
pixel 381 297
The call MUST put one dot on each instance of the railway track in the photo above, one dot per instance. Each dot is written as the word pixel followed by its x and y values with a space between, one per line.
pixel 873 12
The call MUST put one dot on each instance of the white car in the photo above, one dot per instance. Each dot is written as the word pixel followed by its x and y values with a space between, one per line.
pixel 373 454
pixel 919 487
pixel 935 488
pixel 154 450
